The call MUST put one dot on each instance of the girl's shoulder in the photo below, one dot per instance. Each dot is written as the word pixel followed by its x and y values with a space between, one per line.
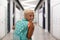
pixel 21 22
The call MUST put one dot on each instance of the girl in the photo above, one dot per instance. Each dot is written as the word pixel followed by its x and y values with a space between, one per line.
pixel 24 28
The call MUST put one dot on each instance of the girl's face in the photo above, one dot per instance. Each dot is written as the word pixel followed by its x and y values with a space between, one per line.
pixel 30 16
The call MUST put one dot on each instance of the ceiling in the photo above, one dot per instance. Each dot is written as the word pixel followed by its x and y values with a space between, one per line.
pixel 29 4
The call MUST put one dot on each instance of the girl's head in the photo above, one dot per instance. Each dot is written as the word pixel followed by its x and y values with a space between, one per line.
pixel 29 15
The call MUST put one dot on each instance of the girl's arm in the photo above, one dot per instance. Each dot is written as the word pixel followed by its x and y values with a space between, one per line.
pixel 30 30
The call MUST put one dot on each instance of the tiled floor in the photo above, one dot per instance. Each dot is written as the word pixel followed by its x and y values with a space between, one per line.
pixel 39 34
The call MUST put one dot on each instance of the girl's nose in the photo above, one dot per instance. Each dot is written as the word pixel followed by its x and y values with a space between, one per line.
pixel 32 17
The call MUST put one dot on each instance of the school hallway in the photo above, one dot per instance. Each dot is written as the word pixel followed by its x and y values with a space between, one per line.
pixel 39 34
pixel 46 18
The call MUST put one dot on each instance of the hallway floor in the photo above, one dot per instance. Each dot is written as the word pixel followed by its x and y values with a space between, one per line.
pixel 39 34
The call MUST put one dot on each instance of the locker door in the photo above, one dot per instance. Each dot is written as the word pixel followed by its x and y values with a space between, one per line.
pixel 17 15
pixel 3 21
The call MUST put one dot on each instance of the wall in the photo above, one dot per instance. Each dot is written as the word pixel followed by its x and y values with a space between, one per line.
pixel 55 18
pixel 3 3
pixel 18 14
pixel 3 18
pixel 41 17
pixel 46 16
pixel 36 17
pixel 11 15
pixel 21 14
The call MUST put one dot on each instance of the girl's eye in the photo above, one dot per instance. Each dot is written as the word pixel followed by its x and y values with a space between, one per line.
pixel 30 15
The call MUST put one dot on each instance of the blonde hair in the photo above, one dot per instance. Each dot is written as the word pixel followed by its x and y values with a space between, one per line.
pixel 27 11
